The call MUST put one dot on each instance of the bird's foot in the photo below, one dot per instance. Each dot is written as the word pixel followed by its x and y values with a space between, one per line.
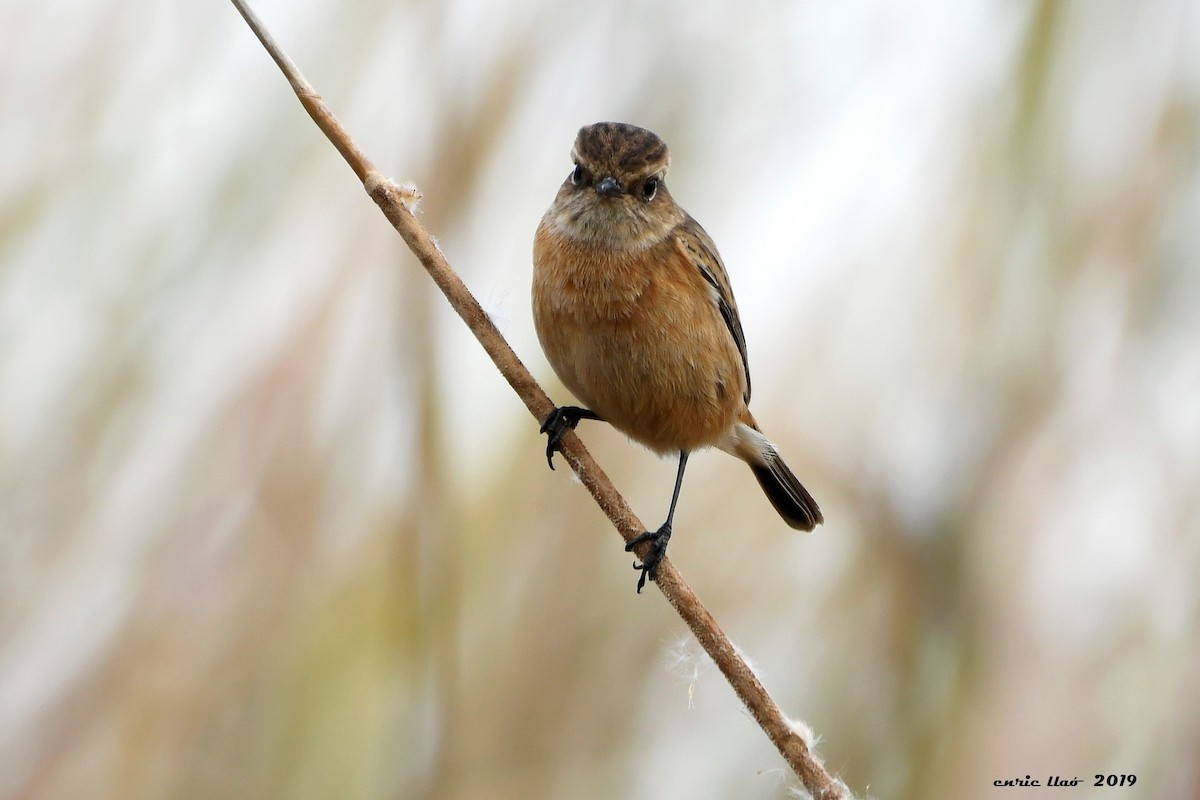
pixel 556 425
pixel 654 554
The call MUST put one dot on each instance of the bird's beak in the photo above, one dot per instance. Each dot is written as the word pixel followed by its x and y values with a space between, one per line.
pixel 609 187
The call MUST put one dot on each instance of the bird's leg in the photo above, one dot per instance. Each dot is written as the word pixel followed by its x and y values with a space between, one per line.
pixel 658 539
pixel 558 422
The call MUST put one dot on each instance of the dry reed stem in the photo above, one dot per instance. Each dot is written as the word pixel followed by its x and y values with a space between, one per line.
pixel 396 203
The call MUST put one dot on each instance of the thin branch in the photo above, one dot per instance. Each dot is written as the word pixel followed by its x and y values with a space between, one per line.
pixel 396 202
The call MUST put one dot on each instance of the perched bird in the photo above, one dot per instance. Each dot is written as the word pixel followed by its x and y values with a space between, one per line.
pixel 636 316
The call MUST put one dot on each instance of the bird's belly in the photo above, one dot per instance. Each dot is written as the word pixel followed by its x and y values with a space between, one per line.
pixel 671 385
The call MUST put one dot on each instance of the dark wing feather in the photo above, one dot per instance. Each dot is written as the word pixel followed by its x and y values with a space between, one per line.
pixel 699 248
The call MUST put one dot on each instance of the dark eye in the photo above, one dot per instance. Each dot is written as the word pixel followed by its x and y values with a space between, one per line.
pixel 577 175
pixel 649 189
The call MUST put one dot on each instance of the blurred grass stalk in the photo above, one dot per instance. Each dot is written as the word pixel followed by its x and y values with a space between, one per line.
pixel 267 532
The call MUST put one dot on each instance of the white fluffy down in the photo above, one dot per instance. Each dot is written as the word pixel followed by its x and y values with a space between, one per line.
pixel 749 445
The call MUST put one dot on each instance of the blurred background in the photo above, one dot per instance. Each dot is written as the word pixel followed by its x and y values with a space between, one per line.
pixel 271 525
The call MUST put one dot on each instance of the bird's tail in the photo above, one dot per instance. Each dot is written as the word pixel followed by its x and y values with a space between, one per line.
pixel 787 494
pixel 793 502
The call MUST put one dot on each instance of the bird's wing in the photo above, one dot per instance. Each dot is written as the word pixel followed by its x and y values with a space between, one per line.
pixel 698 247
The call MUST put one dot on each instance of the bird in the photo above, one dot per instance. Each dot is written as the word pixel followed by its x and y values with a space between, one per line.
pixel 634 311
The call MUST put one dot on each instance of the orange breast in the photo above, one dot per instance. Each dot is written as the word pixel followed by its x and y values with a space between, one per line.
pixel 637 337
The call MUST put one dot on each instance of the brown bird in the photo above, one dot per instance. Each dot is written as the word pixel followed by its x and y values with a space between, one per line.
pixel 636 316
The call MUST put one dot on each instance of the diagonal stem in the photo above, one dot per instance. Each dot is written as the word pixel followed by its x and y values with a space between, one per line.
pixel 396 202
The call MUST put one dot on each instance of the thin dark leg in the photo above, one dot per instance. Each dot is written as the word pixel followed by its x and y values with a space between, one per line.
pixel 658 539
pixel 558 422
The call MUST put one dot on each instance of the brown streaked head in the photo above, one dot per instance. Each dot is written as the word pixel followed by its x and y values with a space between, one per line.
pixel 616 195
pixel 620 150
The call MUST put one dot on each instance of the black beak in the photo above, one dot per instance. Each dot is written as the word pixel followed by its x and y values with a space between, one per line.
pixel 609 187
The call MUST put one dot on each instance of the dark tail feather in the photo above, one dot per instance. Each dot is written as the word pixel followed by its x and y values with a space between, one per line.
pixel 787 494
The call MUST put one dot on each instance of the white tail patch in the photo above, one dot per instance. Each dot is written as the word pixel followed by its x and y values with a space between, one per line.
pixel 749 445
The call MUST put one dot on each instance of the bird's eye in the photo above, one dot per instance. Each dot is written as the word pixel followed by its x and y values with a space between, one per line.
pixel 649 189
pixel 577 175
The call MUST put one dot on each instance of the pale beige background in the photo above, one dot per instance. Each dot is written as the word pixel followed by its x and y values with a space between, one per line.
pixel 272 527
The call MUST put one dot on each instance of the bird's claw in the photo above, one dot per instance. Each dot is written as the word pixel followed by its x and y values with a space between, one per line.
pixel 557 423
pixel 654 554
